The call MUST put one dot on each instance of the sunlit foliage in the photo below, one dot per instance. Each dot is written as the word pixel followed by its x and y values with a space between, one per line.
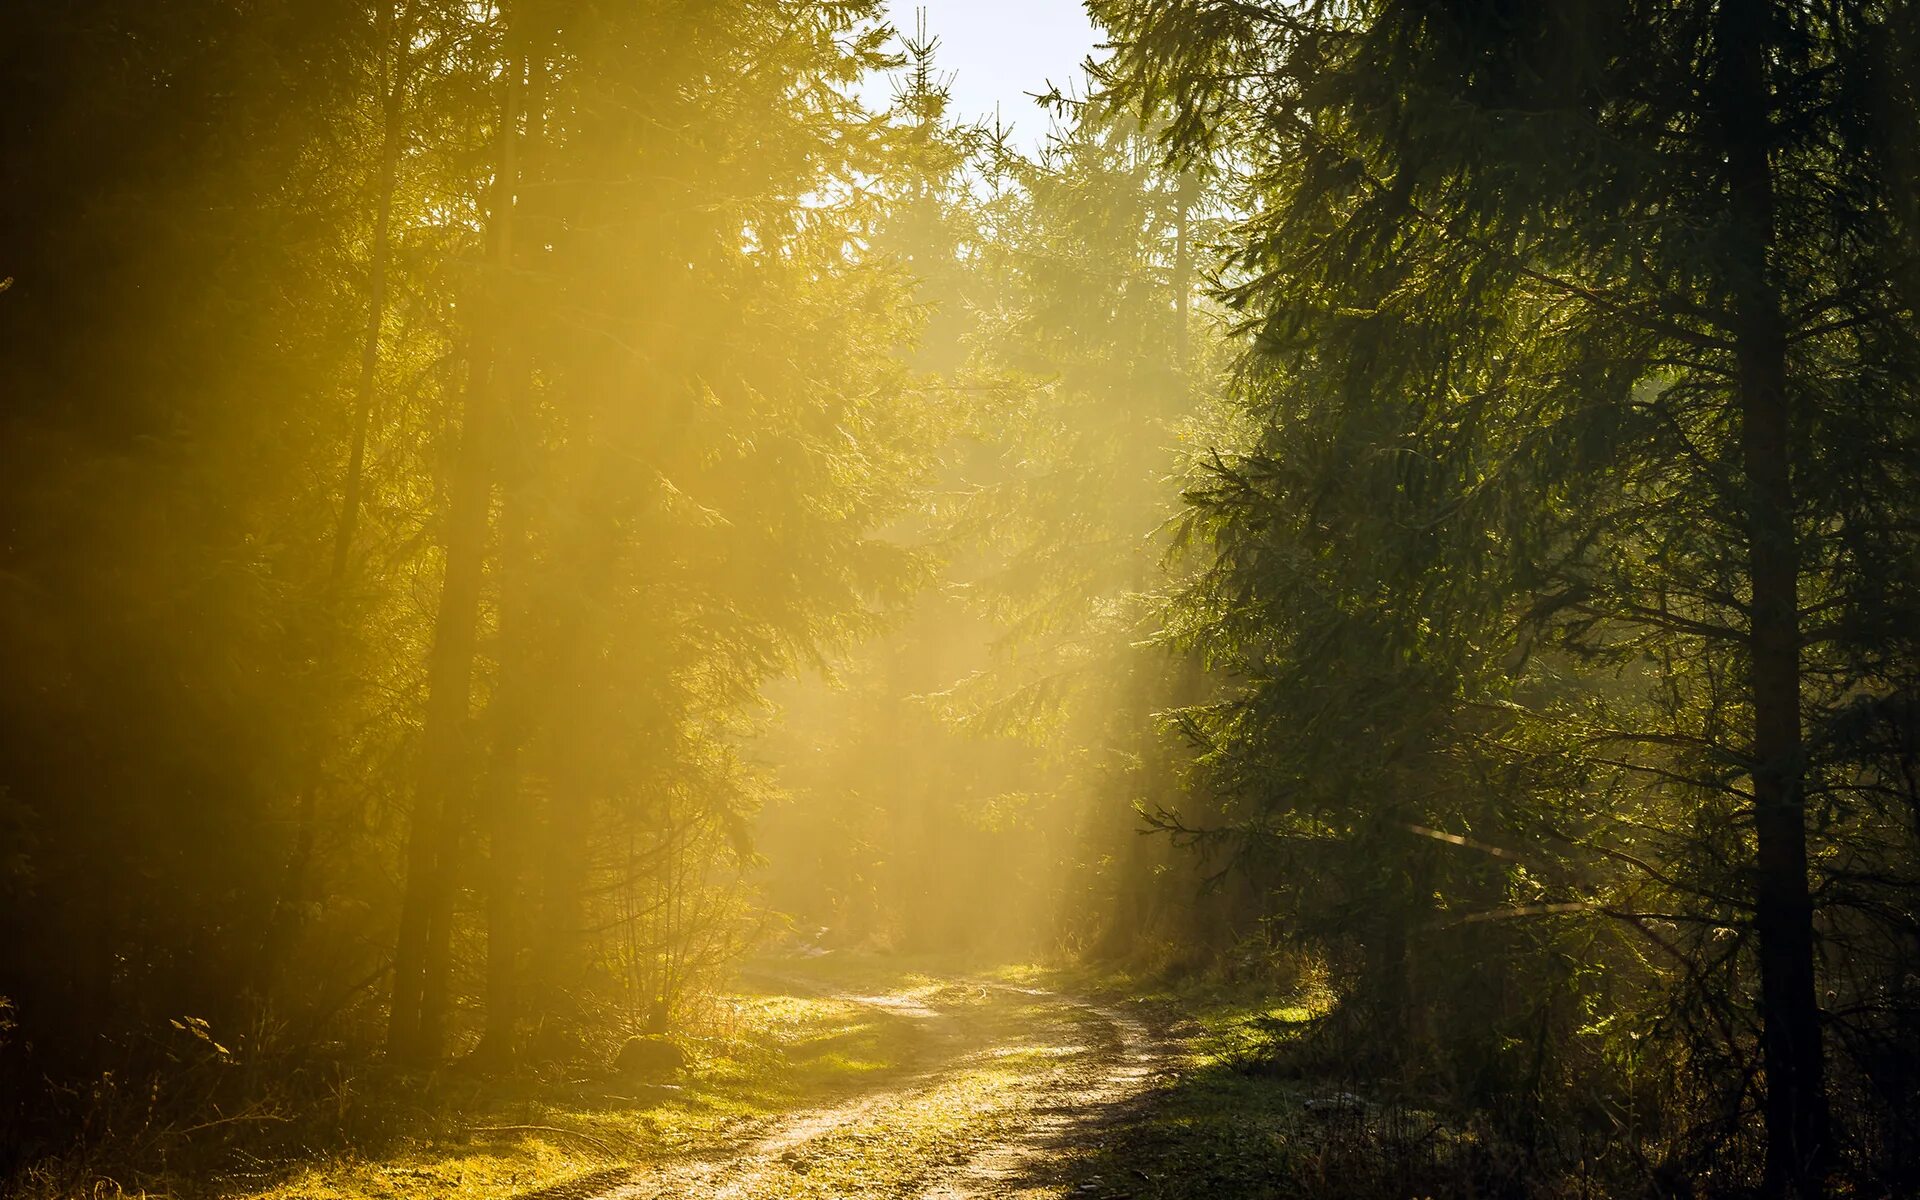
pixel 510 505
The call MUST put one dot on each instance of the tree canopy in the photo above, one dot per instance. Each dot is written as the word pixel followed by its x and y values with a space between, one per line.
pixel 511 508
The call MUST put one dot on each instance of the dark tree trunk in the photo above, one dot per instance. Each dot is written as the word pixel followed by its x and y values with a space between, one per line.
pixel 502 805
pixel 413 1032
pixel 296 884
pixel 417 1020
pixel 584 551
pixel 499 1042
pixel 394 33
pixel 557 949
pixel 501 808
pixel 1795 1107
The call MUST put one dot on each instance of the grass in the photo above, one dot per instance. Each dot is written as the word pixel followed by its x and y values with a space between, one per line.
pixel 794 1036
pixel 775 1045
pixel 833 1059
pixel 1261 1104
pixel 784 1050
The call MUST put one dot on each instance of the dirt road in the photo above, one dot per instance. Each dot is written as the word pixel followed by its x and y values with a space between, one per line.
pixel 1001 1082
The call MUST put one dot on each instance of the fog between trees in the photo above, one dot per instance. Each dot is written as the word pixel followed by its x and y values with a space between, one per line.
pixel 510 508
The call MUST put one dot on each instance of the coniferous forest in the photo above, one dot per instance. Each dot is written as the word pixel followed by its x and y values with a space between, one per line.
pixel 614 598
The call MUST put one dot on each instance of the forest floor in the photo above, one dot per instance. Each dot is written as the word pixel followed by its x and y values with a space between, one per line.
pixel 847 1078
pixel 835 1076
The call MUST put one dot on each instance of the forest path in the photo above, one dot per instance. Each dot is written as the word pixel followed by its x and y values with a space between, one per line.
pixel 995 1083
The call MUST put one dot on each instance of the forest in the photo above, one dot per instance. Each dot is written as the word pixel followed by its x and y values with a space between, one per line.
pixel 606 599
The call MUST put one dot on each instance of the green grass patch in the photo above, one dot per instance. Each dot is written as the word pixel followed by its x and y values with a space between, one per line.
pixel 1257 1107
pixel 780 1041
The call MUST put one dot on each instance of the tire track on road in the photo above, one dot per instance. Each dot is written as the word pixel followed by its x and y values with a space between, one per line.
pixel 1087 1060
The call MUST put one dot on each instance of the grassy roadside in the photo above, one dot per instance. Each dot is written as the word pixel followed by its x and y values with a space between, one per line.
pixel 1265 1099
pixel 1253 1105
pixel 777 1042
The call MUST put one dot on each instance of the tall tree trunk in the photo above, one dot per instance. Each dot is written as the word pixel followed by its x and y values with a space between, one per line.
pixel 1796 1108
pixel 296 883
pixel 416 1028
pixel 557 950
pixel 393 35
pixel 586 553
pixel 502 812
pixel 501 816
pixel 498 1044
pixel 499 813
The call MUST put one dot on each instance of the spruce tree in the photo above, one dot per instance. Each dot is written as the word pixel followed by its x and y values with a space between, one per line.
pixel 1620 289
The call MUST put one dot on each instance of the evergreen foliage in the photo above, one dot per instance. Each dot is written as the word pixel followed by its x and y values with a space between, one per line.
pixel 1580 344
pixel 507 507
